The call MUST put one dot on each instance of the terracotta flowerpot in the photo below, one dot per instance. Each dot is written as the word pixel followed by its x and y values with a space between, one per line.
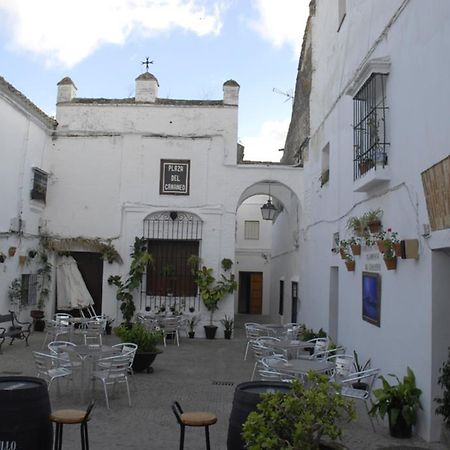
pixel 380 245
pixel 398 249
pixel 342 253
pixel 391 263
pixel 12 251
pixel 350 265
pixel 374 227
pixel 356 249
pixel 22 260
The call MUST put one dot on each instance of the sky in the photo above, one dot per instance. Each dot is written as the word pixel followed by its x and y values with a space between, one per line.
pixel 195 46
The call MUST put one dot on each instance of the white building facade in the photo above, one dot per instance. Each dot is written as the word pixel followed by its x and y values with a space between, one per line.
pixel 373 82
pixel 116 169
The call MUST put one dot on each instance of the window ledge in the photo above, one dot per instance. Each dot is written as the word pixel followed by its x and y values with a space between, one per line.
pixel 372 178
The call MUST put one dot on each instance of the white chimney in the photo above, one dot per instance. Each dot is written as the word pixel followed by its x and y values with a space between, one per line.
pixel 146 88
pixel 231 93
pixel 66 90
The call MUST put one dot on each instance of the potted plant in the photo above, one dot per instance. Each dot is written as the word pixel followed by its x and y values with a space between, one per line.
pixel 350 263
pixel 192 323
pixel 359 367
pixel 146 341
pixel 16 294
pixel 32 253
pixel 390 260
pixel 372 219
pixel 356 225
pixel 400 402
pixel 444 403
pixel 355 245
pixel 364 165
pixel 212 290
pixel 2 257
pixel 12 251
pixel 300 418
pixel 227 323
pixel 44 283
pixel 140 259
pixel 343 248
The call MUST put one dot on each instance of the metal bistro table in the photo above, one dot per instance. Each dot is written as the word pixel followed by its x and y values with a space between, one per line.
pixel 88 355
pixel 300 367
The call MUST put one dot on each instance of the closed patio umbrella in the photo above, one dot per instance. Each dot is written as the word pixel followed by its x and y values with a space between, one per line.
pixel 72 292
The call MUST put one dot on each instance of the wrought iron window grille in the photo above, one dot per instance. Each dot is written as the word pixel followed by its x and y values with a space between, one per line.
pixel 370 145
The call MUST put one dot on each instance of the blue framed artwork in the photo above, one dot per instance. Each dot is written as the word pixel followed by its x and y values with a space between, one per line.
pixel 371 297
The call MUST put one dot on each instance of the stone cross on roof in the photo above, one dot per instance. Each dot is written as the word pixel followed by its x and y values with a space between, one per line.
pixel 147 63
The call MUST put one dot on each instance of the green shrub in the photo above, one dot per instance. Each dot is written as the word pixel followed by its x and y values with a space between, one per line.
pixel 146 340
pixel 444 381
pixel 300 418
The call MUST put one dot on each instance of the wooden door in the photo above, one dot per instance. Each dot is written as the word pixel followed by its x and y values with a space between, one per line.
pixel 256 292
pixel 90 266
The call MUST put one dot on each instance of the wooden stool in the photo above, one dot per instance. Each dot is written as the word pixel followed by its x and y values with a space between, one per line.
pixel 71 417
pixel 193 419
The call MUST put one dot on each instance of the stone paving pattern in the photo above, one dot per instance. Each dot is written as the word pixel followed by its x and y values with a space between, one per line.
pixel 186 373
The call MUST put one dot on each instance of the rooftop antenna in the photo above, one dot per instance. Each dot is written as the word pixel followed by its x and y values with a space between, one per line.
pixel 286 94
pixel 147 63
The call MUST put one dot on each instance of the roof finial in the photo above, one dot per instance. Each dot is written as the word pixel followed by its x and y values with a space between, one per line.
pixel 147 63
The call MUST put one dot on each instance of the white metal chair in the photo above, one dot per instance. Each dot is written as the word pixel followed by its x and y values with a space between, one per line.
pixel 253 331
pixel 55 329
pixel 50 367
pixel 63 318
pixel 343 365
pixel 170 329
pixel 324 354
pixel 129 349
pixel 91 332
pixel 112 371
pixel 259 352
pixel 56 347
pixel 358 386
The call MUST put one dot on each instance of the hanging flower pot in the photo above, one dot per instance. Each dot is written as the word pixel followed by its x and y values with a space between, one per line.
pixel 356 249
pixel 342 253
pixel 380 245
pixel 391 263
pixel 12 251
pixel 2 257
pixel 350 265
pixel 397 249
pixel 374 227
pixel 22 260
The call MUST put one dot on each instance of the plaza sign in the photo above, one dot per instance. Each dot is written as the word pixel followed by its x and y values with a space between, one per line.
pixel 174 177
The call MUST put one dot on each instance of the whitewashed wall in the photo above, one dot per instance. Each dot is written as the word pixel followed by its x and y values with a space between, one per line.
pixel 24 142
pixel 417 90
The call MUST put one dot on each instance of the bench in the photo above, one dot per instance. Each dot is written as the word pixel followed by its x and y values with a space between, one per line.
pixel 14 330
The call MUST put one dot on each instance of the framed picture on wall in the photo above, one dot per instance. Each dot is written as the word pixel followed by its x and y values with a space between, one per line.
pixel 371 297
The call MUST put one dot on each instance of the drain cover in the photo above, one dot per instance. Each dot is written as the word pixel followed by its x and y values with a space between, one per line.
pixel 223 383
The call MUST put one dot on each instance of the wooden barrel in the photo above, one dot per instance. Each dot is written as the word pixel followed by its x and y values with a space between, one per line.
pixel 246 397
pixel 24 412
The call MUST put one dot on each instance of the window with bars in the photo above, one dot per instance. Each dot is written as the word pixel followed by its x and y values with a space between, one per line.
pixel 369 126
pixel 251 229
pixel 29 289
pixel 170 275
pixel 39 189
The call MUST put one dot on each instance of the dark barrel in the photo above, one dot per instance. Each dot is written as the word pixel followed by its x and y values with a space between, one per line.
pixel 246 397
pixel 24 412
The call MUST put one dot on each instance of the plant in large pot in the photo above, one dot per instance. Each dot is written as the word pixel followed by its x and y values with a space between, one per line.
pixel 212 290
pixel 299 419
pixel 146 341
pixel 372 219
pixel 140 259
pixel 401 403
pixel 444 403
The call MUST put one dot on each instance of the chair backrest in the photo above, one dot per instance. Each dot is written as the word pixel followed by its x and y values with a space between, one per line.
pixel 63 318
pixel 170 324
pixel 177 410
pixel 254 330
pixel 44 362
pixel 324 354
pixel 129 349
pixel 55 347
pixel 367 377
pixel 88 411
pixel 342 365
pixel 269 375
pixel 117 366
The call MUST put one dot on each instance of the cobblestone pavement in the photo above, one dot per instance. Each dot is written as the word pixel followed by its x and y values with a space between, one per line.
pixel 202 375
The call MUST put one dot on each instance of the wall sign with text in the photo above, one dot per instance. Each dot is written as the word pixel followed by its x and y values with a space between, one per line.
pixel 174 176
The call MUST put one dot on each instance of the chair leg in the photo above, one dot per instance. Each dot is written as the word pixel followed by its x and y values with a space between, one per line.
pixel 246 351
pixel 128 391
pixel 84 436
pixel 58 436
pixel 370 417
pixel 208 447
pixel 106 394
pixel 182 437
